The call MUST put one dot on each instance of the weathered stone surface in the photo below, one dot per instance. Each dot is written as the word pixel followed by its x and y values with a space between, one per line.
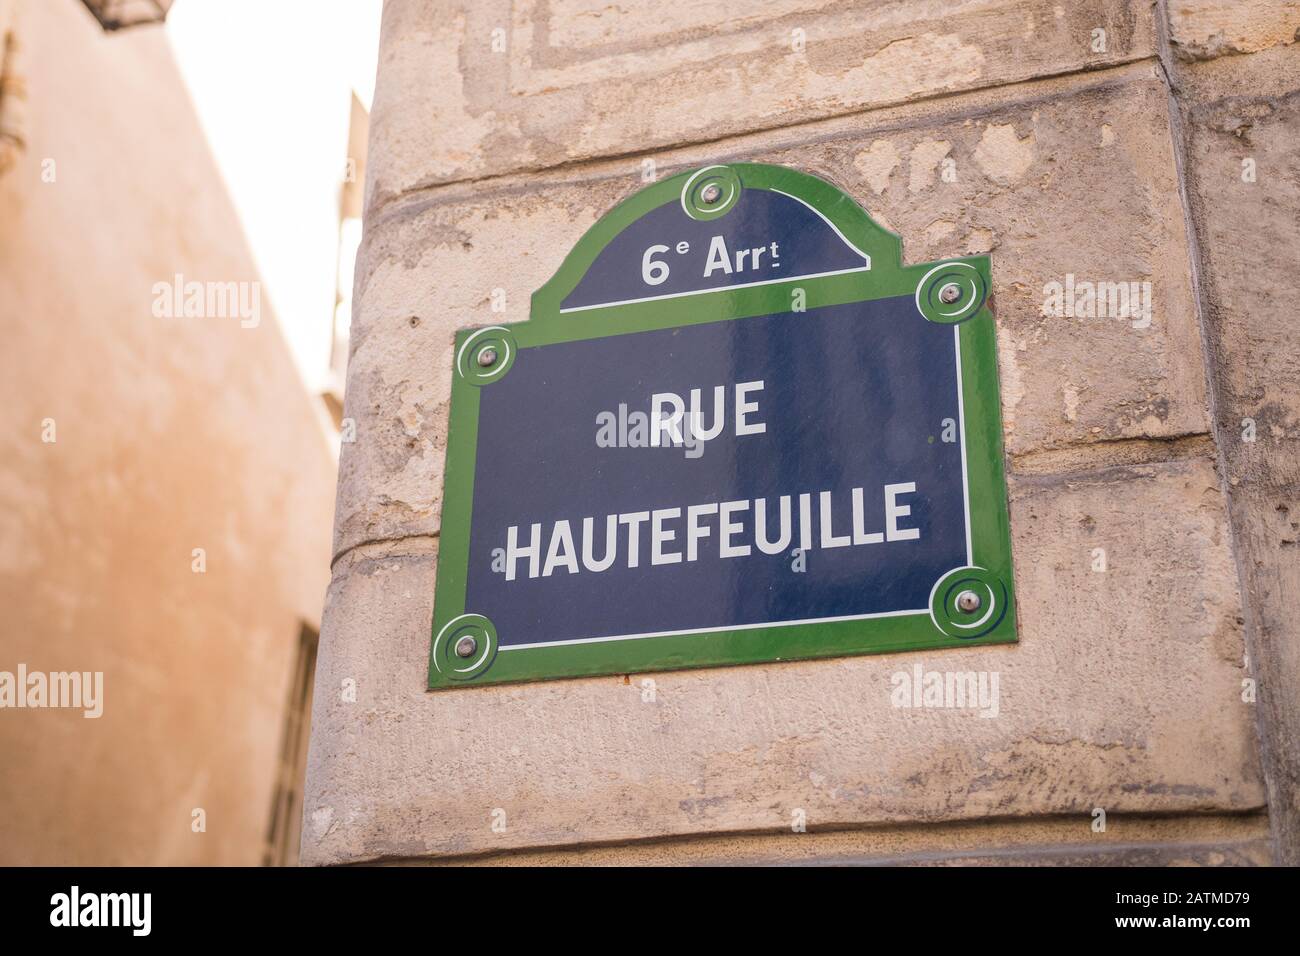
pixel 1252 853
pixel 474 89
pixel 1074 181
pixel 1202 29
pixel 1070 180
pixel 1250 231
pixel 1124 693
pixel 1245 189
pixel 424 272
pixel 1270 74
pixel 1210 839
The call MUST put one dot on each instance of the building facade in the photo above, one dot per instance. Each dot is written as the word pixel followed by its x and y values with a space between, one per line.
pixel 166 482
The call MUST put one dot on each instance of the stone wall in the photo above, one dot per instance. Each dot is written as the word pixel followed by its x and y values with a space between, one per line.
pixel 1240 121
pixel 1101 139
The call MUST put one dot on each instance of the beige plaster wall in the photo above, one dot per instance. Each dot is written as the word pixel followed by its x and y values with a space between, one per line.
pixel 1071 155
pixel 171 434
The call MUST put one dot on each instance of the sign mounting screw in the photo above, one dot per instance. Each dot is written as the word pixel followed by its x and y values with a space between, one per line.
pixel 711 193
pixel 466 646
pixel 968 602
pixel 487 357
pixel 950 293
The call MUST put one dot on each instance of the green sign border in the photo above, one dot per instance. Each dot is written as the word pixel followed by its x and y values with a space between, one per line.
pixel 990 537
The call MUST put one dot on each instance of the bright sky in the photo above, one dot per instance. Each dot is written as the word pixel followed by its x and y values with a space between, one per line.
pixel 271 80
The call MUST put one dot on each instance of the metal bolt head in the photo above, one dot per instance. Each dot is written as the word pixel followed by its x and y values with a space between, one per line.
pixel 968 602
pixel 950 293
pixel 466 646
pixel 487 357
pixel 711 193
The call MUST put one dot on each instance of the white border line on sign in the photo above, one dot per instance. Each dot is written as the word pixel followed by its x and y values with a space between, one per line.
pixel 961 423
pixel 843 238
pixel 710 630
pixel 721 288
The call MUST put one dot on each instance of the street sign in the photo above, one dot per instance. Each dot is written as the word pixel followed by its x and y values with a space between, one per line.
pixel 734 429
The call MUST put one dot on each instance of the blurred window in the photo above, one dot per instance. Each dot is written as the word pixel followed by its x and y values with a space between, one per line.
pixel 284 829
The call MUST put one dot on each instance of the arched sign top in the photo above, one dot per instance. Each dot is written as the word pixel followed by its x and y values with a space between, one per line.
pixel 735 429
pixel 717 228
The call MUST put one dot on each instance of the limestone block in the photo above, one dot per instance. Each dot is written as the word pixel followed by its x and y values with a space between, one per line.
pixel 1242 128
pixel 1203 29
pixel 478 89
pixel 1123 694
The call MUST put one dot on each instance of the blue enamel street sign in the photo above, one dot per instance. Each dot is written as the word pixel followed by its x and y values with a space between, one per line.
pixel 735 429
